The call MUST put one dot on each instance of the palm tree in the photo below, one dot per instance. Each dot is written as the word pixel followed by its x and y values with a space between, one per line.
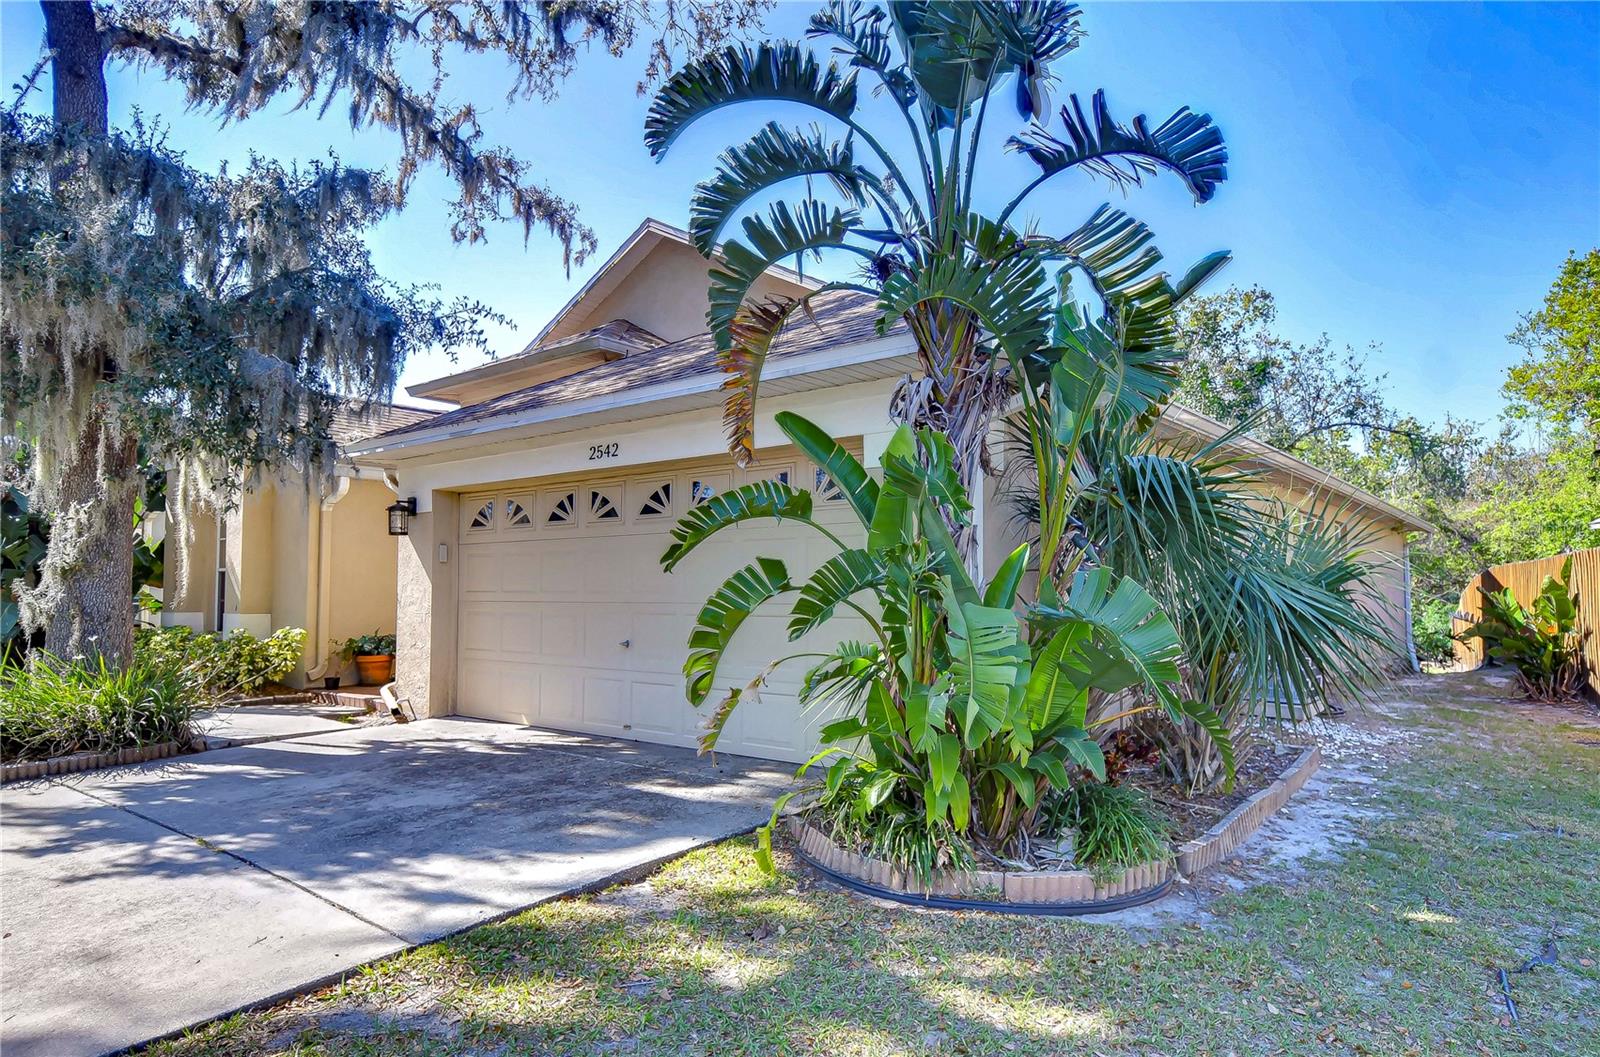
pixel 975 292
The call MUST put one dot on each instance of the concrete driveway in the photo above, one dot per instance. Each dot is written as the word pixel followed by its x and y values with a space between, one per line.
pixel 143 900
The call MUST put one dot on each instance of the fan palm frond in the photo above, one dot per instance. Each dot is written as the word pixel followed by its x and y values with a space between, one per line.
pixel 1187 143
pixel 773 156
pixel 781 71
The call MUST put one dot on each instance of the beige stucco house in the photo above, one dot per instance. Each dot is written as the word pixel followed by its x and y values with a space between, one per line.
pixel 529 588
pixel 286 557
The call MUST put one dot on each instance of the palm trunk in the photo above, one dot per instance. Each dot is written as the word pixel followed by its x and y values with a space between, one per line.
pixel 958 395
pixel 84 596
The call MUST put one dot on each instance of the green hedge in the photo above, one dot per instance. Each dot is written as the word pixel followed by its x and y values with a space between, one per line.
pixel 223 665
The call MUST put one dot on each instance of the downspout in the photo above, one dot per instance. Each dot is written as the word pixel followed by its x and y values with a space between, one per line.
pixel 320 613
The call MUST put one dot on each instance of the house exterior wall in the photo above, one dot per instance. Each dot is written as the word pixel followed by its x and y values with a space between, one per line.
pixel 362 572
pixel 189 591
pixel 665 294
pixel 427 619
pixel 274 566
pixel 425 630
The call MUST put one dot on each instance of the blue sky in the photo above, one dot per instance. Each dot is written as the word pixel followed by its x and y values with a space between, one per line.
pixel 1411 175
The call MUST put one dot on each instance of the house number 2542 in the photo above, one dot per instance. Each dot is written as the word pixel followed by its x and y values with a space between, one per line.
pixel 604 451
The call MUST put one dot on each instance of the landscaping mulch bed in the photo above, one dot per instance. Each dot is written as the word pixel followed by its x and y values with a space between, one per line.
pixel 1191 816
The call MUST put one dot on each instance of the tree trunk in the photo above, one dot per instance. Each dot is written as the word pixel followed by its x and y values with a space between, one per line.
pixel 77 72
pixel 84 598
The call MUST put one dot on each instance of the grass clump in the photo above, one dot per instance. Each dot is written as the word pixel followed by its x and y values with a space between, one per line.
pixel 53 707
pixel 1115 827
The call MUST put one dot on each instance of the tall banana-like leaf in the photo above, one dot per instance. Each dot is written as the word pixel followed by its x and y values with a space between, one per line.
pixel 988 666
pixel 811 226
pixel 1001 593
pixel 772 71
pixel 1187 143
pixel 773 156
pixel 1114 250
pixel 952 54
pixel 1135 642
pixel 758 499
pixel 917 466
pixel 843 675
pixel 1058 687
pixel 723 613
pixel 835 581
pixel 754 330
pixel 1033 35
pixel 862 33
pixel 842 468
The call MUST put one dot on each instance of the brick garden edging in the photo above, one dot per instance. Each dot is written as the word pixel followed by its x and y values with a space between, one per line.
pixel 1033 891
pixel 88 761
pixel 1053 891
pixel 1215 843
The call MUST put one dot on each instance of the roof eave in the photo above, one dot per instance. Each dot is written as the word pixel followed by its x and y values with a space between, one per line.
pixel 819 364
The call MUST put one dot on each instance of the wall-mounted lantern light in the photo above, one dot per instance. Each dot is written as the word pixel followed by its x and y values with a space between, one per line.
pixel 399 514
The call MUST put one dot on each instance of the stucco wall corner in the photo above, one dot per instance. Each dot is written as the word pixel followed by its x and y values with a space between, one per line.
pixel 425 610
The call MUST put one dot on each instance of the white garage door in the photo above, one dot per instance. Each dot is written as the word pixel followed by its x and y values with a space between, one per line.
pixel 567 621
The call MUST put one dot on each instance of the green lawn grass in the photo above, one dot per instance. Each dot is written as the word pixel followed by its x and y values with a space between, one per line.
pixel 1488 841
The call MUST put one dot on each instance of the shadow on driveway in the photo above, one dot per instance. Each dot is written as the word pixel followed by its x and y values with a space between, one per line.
pixel 142 900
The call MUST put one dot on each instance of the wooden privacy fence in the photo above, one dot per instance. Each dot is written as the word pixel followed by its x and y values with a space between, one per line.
pixel 1524 580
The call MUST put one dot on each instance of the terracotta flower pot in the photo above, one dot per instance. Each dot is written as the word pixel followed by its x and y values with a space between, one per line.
pixel 375 669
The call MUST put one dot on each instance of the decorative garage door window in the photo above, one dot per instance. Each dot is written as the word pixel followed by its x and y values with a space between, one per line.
pixel 561 509
pixel 602 507
pixel 824 487
pixel 645 504
pixel 656 501
pixel 705 486
pixel 518 512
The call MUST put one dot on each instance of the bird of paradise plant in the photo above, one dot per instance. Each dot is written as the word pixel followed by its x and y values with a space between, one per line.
pixel 965 706
pixel 973 290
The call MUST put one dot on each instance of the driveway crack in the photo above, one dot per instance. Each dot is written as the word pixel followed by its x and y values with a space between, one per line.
pixel 213 846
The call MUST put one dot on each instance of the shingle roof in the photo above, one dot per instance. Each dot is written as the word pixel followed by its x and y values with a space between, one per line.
pixel 620 329
pixel 354 421
pixel 841 317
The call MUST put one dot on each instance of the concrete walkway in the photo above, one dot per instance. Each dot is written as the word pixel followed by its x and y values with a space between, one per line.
pixel 245 724
pixel 146 899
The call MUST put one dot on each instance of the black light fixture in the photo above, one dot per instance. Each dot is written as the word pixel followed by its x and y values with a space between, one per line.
pixel 399 515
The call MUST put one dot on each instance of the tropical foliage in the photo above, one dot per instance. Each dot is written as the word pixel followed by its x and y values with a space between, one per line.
pixel 953 715
pixel 52 706
pixel 375 644
pixel 1526 490
pixel 1540 640
pixel 1114 827
pixel 1271 603
pixel 974 291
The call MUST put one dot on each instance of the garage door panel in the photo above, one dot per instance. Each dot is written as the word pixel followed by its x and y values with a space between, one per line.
pixel 560 698
pixel 546 607
pixel 560 632
pixel 605 704
pixel 660 713
pixel 519 633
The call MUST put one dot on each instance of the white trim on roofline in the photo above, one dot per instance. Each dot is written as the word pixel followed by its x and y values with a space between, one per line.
pixel 659 229
pixel 883 352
